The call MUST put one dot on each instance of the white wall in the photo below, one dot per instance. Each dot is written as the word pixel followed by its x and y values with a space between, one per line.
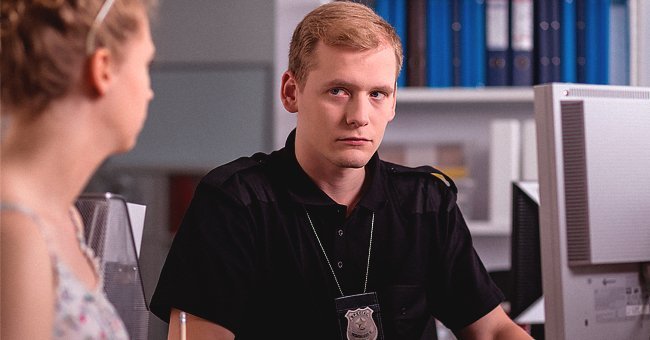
pixel 224 31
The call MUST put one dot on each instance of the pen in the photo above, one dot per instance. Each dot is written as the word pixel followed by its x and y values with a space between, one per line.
pixel 183 320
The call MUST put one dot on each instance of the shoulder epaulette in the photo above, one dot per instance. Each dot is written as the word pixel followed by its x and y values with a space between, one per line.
pixel 224 172
pixel 424 170
pixel 445 179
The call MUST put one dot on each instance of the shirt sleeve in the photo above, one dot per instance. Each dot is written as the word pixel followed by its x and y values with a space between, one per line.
pixel 210 269
pixel 463 290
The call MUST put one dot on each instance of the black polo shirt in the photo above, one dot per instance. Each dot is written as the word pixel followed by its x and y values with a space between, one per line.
pixel 246 258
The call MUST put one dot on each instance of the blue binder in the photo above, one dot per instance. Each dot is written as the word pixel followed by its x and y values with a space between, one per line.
pixel 568 29
pixel 597 41
pixel 456 30
pixel 394 12
pixel 496 42
pixel 581 42
pixel 399 22
pixel 479 38
pixel 547 41
pixel 472 43
pixel 383 9
pixel 439 44
pixel 555 12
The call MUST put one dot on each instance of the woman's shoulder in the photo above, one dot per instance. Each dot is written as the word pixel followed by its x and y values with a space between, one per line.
pixel 24 247
pixel 21 232
pixel 27 276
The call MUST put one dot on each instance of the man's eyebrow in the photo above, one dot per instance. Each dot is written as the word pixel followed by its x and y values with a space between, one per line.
pixel 387 89
pixel 340 82
pixel 347 84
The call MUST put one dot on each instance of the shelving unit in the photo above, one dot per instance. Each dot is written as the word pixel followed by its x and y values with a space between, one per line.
pixel 430 116
pixel 461 115
pixel 499 95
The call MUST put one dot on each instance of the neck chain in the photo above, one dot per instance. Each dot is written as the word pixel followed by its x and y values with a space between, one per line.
pixel 365 283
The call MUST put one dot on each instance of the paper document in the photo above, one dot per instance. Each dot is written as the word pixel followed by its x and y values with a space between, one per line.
pixel 136 217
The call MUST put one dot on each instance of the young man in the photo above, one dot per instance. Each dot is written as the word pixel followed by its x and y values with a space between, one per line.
pixel 322 239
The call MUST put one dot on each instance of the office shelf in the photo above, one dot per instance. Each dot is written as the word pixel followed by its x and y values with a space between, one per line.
pixel 424 95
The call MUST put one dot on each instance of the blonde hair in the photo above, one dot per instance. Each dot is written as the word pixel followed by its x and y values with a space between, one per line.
pixel 43 45
pixel 344 24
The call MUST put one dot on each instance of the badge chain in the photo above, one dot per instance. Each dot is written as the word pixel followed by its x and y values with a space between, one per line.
pixel 365 283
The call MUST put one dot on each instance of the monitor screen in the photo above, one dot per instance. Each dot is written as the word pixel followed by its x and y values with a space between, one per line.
pixel 593 144
pixel 526 267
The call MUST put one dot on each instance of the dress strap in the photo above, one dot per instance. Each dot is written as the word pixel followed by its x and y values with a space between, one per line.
pixel 45 232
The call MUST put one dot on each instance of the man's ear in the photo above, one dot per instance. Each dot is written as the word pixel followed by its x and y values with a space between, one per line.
pixel 288 92
pixel 100 72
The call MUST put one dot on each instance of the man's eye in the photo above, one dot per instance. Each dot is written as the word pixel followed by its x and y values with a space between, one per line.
pixel 337 92
pixel 377 95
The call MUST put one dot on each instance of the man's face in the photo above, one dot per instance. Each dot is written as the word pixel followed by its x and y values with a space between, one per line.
pixel 343 108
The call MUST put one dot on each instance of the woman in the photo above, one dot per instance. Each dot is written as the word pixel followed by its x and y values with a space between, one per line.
pixel 75 90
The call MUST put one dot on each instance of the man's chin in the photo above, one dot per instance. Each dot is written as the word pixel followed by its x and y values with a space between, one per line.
pixel 352 163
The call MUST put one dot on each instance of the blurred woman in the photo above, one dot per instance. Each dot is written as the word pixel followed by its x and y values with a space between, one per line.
pixel 75 90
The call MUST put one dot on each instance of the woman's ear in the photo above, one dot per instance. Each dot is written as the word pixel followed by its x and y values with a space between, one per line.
pixel 100 70
pixel 288 92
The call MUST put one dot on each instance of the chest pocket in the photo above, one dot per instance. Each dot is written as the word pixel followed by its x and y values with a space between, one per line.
pixel 406 312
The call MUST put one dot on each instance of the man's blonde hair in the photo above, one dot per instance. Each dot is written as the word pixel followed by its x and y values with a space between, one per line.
pixel 344 24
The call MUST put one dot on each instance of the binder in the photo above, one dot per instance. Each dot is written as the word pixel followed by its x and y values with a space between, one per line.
pixel 472 43
pixel 398 17
pixel 416 43
pixel 639 27
pixel 383 9
pixel 547 41
pixel 479 38
pixel 439 44
pixel 521 42
pixel 456 29
pixel 580 41
pixel 597 41
pixel 619 52
pixel 555 12
pixel 394 12
pixel 568 29
pixel 496 42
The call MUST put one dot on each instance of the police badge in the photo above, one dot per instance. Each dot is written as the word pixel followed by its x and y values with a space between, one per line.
pixel 359 317
pixel 360 324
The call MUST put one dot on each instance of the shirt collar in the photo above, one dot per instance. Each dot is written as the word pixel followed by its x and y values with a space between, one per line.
pixel 303 190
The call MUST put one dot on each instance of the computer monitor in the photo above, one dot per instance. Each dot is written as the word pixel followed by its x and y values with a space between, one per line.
pixel 593 145
pixel 525 256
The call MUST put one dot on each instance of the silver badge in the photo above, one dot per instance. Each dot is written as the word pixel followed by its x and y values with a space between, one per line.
pixel 361 326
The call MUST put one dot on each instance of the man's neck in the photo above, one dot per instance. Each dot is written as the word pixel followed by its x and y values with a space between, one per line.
pixel 343 185
pixel 345 189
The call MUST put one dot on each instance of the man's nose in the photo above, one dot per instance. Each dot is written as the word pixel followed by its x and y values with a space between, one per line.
pixel 358 112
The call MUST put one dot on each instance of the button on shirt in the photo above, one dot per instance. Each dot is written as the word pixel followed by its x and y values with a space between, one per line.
pixel 246 258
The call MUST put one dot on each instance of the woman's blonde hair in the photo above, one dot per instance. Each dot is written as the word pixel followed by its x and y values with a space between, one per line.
pixel 345 24
pixel 43 45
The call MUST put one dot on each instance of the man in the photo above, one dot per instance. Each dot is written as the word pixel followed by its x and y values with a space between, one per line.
pixel 322 239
